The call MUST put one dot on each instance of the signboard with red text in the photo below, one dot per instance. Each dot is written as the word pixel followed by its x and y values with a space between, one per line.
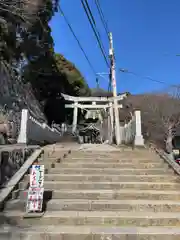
pixel 37 176
pixel 36 190
pixel 35 199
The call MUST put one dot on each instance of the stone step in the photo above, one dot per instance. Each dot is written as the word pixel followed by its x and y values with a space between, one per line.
pixel 112 156
pixel 99 164
pixel 113 178
pixel 57 185
pixel 111 165
pixel 102 205
pixel 100 195
pixel 106 152
pixel 111 153
pixel 110 160
pixel 106 218
pixel 61 232
pixel 114 171
pixel 115 157
pixel 122 194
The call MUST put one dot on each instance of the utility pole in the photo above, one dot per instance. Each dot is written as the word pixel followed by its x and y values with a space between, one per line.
pixel 102 74
pixel 97 83
pixel 113 82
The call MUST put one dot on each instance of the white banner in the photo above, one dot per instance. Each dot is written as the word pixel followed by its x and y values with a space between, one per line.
pixel 35 199
pixel 37 176
pixel 36 190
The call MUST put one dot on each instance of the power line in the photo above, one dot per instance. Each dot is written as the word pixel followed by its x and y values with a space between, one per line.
pixel 102 17
pixel 94 22
pixel 146 77
pixel 80 46
pixel 94 28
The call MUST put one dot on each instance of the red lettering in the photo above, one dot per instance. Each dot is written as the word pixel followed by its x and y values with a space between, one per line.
pixel 34 204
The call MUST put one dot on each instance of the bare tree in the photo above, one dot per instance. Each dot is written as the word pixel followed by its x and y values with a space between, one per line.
pixel 160 115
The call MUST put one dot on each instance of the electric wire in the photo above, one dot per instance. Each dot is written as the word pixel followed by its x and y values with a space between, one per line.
pixel 147 78
pixel 94 22
pixel 94 28
pixel 104 22
pixel 79 44
pixel 89 14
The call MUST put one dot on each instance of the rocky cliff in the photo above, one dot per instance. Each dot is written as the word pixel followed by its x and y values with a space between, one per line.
pixel 14 96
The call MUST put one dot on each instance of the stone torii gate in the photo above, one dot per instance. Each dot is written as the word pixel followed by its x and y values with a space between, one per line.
pixel 92 103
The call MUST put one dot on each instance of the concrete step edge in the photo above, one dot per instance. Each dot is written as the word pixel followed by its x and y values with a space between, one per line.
pixel 51 229
pixel 109 175
pixel 108 201
pixel 107 183
pixel 105 191
pixel 112 169
pixel 111 166
pixel 121 214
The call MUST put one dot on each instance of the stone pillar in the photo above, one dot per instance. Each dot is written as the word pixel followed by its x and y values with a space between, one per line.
pixel 75 116
pixel 111 115
pixel 139 140
pixel 94 113
pixel 111 121
pixel 22 138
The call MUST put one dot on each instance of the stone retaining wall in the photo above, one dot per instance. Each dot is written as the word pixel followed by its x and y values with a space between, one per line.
pixel 12 157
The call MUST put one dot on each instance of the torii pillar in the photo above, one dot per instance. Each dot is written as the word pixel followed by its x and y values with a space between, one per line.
pixel 75 116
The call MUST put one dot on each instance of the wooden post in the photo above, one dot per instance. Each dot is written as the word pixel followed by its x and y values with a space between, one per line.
pixel 75 116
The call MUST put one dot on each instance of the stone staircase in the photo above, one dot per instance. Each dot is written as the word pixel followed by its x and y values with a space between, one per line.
pixel 100 193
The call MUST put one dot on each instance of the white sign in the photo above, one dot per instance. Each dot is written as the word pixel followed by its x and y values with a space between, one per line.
pixel 37 176
pixel 36 190
pixel 35 199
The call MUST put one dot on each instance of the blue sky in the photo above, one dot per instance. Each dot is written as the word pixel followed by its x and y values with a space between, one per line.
pixel 146 40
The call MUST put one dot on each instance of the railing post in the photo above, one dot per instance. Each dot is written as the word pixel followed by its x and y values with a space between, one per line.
pixel 22 138
pixel 125 132
pixel 139 140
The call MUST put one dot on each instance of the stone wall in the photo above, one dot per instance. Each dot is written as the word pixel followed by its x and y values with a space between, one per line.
pixel 12 157
pixel 15 96
pixel 12 89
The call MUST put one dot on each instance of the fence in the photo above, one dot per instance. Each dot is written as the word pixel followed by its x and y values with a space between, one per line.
pixel 131 132
pixel 34 132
